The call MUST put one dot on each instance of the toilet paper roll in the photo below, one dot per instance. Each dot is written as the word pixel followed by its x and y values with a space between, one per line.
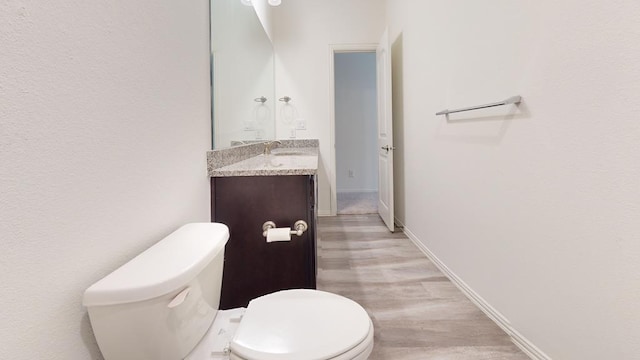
pixel 279 234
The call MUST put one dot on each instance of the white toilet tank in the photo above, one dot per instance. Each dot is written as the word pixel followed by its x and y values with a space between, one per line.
pixel 160 304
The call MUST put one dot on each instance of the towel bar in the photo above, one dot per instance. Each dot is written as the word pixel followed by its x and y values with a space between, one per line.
pixel 512 100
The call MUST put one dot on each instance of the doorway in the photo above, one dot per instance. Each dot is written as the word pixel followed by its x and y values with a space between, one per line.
pixel 355 129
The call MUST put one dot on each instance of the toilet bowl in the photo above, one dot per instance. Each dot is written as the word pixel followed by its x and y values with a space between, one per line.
pixel 290 325
pixel 163 305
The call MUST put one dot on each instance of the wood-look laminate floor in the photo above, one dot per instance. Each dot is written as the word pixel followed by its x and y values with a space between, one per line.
pixel 357 203
pixel 417 312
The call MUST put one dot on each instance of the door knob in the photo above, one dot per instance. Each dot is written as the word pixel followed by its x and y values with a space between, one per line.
pixel 387 147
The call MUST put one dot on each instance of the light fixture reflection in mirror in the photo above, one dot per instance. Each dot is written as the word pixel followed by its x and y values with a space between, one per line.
pixel 271 2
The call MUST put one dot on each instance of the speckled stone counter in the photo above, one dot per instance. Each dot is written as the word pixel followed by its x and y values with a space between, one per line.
pixel 292 157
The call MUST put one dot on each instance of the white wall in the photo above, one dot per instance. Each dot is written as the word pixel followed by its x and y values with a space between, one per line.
pixel 535 208
pixel 303 31
pixel 356 122
pixel 104 124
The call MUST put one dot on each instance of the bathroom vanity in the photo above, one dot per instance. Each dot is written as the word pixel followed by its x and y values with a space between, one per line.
pixel 249 189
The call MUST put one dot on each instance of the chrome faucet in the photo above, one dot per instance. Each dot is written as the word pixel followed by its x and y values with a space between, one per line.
pixel 269 144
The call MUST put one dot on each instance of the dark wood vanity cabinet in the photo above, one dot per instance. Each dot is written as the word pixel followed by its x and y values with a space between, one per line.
pixel 253 267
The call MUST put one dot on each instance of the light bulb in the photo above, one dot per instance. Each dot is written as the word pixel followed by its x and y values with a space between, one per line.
pixel 275 2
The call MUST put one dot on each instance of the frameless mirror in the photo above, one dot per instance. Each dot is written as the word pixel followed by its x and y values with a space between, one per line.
pixel 242 70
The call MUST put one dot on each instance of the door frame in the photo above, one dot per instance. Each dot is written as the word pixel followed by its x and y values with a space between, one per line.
pixel 337 49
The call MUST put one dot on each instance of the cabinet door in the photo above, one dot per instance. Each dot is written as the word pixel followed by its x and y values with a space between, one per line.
pixel 252 266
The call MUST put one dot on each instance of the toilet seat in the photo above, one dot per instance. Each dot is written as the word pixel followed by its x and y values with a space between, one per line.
pixel 303 324
pixel 359 352
pixel 296 324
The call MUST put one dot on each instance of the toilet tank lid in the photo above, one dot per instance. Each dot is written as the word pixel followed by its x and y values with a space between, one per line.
pixel 164 267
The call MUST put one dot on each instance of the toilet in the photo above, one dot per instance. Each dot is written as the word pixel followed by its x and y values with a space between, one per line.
pixel 163 305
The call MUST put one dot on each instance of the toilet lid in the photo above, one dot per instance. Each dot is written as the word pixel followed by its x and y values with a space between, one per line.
pixel 300 325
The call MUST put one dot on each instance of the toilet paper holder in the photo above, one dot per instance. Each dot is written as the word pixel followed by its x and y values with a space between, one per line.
pixel 300 227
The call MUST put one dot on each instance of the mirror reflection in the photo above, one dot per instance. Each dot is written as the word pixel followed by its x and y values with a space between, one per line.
pixel 242 72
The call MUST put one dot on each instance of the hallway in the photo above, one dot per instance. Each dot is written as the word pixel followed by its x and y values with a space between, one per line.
pixel 357 203
pixel 416 311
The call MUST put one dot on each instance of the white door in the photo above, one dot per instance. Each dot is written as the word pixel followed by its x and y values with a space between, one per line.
pixel 385 132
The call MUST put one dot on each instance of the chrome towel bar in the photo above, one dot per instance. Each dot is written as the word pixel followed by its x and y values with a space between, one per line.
pixel 512 100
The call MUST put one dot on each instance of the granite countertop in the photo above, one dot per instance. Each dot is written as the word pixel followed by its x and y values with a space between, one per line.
pixel 287 159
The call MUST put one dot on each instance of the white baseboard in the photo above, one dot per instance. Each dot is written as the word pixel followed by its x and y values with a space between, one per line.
pixel 523 343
